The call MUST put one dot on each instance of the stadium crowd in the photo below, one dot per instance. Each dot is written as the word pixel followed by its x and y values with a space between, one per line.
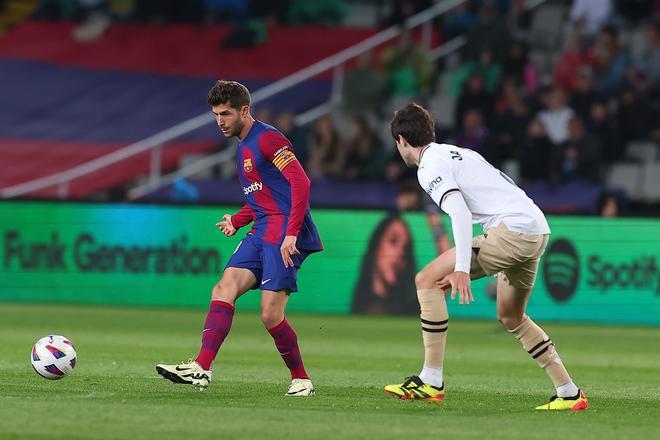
pixel 564 122
pixel 550 105
pixel 601 95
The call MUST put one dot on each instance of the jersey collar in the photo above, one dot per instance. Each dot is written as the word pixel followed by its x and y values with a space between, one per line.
pixel 421 153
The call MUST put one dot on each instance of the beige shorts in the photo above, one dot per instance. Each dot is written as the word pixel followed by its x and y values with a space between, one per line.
pixel 514 254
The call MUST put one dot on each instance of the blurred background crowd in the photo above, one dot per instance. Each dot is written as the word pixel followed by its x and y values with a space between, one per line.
pixel 564 96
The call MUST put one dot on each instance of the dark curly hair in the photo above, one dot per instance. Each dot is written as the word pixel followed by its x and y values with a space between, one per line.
pixel 415 124
pixel 229 92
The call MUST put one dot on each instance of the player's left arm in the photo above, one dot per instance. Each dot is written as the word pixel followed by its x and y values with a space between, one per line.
pixel 278 150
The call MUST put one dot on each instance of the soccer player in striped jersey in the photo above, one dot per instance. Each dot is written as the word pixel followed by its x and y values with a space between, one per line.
pixel 283 234
pixel 470 190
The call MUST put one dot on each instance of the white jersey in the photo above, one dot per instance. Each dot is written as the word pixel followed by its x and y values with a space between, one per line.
pixel 491 196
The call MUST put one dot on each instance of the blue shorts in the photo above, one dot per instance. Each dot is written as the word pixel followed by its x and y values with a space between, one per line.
pixel 265 262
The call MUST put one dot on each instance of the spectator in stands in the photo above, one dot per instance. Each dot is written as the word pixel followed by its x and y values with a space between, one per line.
pixel 517 65
pixel 401 10
pixel 326 12
pixel 460 19
pixel 508 93
pixel 589 16
pixel 576 57
pixel 579 157
pixel 489 71
pixel 605 129
pixel 556 116
pixel 608 205
pixel 219 11
pixel 96 22
pixel 491 34
pixel 364 88
pixel 365 158
pixel 508 129
pixel 397 171
pixel 634 116
pixel 536 154
pixel 285 123
pixel 326 157
pixel 612 61
pixel 584 95
pixel 646 72
pixel 247 32
pixel 408 68
pixel 264 115
pixel 270 11
pixel 408 195
pixel 474 132
pixel 473 96
pixel 519 20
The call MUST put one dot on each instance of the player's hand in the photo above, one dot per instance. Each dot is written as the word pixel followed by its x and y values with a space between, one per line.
pixel 225 226
pixel 459 282
pixel 289 249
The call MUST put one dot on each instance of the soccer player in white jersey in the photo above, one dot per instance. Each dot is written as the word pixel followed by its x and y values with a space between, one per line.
pixel 470 190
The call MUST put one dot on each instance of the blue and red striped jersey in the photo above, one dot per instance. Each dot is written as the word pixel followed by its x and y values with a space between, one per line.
pixel 276 189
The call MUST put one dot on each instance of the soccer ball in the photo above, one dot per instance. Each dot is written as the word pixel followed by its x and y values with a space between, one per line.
pixel 53 357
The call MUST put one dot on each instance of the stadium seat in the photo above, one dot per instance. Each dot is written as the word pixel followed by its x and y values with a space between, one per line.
pixel 644 152
pixel 626 176
pixel 651 182
pixel 547 27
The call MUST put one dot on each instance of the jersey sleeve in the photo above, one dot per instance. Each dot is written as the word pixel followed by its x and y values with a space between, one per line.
pixel 243 217
pixel 436 177
pixel 277 149
pixel 461 226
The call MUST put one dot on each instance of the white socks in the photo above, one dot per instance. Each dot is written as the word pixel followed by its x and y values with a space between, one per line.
pixel 567 390
pixel 433 376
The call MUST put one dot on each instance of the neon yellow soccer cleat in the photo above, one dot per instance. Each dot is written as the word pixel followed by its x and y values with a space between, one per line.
pixel 414 389
pixel 577 403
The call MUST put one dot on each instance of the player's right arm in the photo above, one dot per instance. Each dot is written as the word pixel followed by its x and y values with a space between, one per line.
pixel 232 223
pixel 461 224
pixel 436 177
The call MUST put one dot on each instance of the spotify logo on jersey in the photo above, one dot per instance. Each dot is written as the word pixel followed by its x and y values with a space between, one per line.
pixel 561 270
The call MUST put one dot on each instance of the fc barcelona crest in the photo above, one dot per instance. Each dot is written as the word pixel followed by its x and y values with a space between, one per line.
pixel 247 164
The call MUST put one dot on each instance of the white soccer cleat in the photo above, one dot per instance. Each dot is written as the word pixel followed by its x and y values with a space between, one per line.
pixel 190 373
pixel 300 388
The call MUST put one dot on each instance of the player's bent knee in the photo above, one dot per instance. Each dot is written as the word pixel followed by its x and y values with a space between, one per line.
pixel 271 316
pixel 423 281
pixel 224 291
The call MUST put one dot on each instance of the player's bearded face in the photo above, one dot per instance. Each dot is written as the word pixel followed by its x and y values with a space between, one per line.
pixel 229 120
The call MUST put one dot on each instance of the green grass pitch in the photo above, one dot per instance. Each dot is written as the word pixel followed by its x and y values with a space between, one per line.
pixel 492 384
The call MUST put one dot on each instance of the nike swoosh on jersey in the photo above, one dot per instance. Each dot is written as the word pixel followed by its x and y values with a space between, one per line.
pixel 265 281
